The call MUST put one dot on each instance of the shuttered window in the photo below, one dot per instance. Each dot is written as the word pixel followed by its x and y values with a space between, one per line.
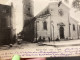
pixel 45 25
pixel 73 27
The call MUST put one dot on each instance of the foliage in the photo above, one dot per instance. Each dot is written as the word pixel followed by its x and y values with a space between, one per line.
pixel 76 4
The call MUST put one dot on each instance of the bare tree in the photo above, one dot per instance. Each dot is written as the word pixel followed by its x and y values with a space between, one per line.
pixel 76 4
pixel 67 1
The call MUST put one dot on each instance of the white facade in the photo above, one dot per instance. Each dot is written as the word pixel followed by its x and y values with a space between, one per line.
pixel 59 23
pixel 74 33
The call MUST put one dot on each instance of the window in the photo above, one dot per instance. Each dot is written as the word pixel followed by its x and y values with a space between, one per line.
pixel 45 25
pixel 3 22
pixel 4 11
pixel 28 8
pixel 73 27
pixel 60 12
pixel 47 11
pixel 51 9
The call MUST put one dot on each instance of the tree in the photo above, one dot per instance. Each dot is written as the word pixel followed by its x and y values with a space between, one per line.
pixel 76 4
pixel 67 1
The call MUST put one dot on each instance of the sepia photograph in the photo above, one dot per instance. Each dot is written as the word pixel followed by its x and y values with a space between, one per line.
pixel 37 23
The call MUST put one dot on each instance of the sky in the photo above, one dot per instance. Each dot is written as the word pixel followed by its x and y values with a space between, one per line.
pixel 39 5
pixel 3 1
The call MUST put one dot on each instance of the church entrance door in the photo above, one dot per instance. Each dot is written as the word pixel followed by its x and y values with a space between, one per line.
pixel 61 31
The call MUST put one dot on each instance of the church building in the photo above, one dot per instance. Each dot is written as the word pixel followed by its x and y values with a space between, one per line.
pixel 55 22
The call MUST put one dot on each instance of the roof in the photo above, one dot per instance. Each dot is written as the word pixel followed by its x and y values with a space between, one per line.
pixel 4 5
pixel 46 10
pixel 74 19
pixel 42 13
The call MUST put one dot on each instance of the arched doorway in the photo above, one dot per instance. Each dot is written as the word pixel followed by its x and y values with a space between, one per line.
pixel 61 31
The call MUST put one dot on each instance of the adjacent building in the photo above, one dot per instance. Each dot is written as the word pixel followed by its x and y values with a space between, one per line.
pixel 5 24
pixel 28 18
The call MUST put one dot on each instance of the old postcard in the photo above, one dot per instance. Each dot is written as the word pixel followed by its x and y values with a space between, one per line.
pixel 39 28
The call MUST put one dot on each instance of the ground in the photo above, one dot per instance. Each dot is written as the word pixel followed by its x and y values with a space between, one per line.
pixel 52 44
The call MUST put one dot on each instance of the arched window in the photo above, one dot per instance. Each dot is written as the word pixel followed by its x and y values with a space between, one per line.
pixel 73 27
pixel 45 25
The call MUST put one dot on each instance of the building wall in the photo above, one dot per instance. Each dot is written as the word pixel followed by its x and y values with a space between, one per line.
pixel 74 33
pixel 53 23
pixel 40 31
pixel 5 24
pixel 28 26
pixel 27 9
pixel 56 18
pixel 79 31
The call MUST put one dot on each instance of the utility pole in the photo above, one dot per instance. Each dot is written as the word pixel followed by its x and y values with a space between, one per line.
pixel 50 28
pixel 78 30
pixel 69 26
pixel 36 31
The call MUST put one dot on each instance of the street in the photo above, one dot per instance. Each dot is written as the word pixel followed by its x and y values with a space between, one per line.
pixel 52 44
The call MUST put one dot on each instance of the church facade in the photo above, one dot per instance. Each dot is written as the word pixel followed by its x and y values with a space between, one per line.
pixel 55 22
